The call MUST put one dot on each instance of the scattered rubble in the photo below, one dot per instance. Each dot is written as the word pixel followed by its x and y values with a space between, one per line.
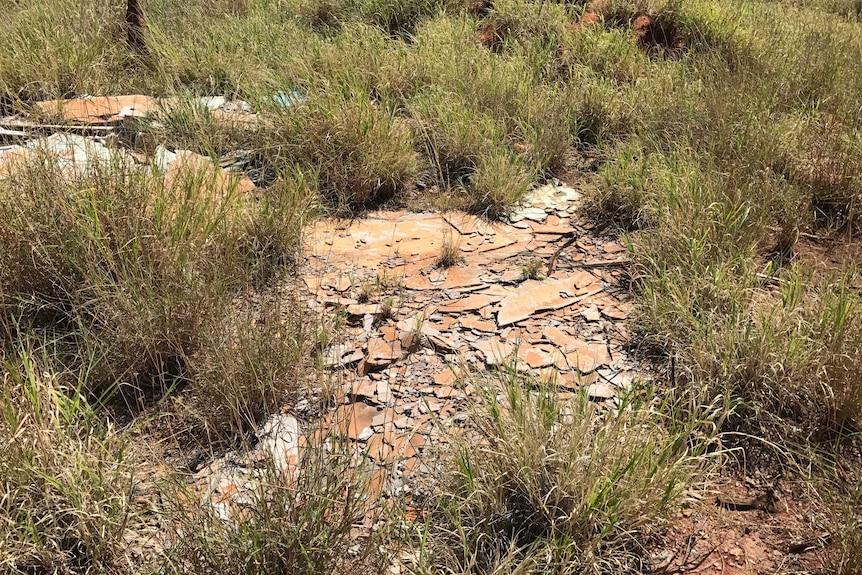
pixel 75 154
pixel 414 328
pixel 72 154
pixel 98 110
pixel 122 115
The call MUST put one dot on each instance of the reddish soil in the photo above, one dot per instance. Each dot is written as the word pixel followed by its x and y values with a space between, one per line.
pixel 492 37
pixel 827 256
pixel 746 529
pixel 590 18
pixel 657 36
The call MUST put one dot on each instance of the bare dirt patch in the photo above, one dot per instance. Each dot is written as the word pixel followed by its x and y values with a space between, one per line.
pixel 748 527
pixel 658 36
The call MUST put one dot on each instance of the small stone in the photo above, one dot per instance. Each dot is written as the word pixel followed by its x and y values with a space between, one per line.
pixel 382 417
pixel 534 356
pixel 402 422
pixel 565 342
pixel 601 390
pixel 533 295
pixel 443 344
pixel 613 312
pixel 363 309
pixel 429 404
pixel 474 323
pixel 528 213
pixel 384 393
pixel 512 276
pixel 389 333
pixel 470 303
pixel 622 380
pixel 588 356
pixel 591 314
pixel 353 418
pixel 363 388
pixel 341 355
pixel 381 352
pixel 494 350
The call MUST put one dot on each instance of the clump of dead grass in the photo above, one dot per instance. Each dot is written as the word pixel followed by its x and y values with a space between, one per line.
pixel 787 354
pixel 360 150
pixel 450 254
pixel 847 529
pixel 134 277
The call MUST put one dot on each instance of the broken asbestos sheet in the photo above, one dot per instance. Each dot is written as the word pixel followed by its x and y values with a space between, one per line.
pixel 411 327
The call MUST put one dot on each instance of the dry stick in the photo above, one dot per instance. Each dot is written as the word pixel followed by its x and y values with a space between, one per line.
pixel 594 264
pixel 572 238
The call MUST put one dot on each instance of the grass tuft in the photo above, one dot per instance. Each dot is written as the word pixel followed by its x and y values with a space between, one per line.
pixel 68 481
pixel 289 523
pixel 548 485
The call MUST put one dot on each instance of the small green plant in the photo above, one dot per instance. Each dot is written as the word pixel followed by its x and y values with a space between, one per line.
pixel 387 308
pixel 367 289
pixel 532 270
pixel 450 254
pixel 388 281
pixel 413 337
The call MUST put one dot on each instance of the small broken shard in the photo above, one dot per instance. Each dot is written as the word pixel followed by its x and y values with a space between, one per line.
pixel 533 295
pixel 591 314
pixel 535 356
pixel 601 390
pixel 340 356
pixel 495 351
pixel 99 109
pixel 470 303
pixel 382 352
pixel 586 356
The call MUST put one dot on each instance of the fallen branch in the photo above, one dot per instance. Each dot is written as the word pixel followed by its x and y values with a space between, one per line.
pixel 605 263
